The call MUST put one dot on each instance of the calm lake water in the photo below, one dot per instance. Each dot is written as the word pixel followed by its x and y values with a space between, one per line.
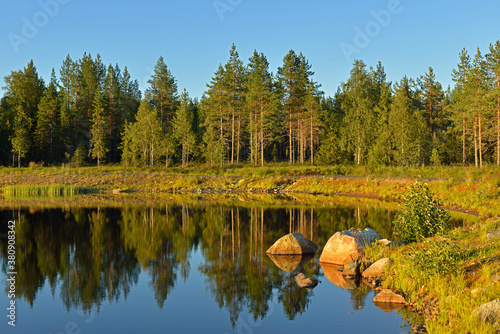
pixel 184 268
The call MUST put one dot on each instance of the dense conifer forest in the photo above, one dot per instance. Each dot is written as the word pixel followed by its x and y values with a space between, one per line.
pixel 92 114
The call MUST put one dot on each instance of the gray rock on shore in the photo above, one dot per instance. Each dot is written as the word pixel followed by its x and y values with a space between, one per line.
pixel 489 312
pixel 377 269
pixel 387 301
pixel 493 235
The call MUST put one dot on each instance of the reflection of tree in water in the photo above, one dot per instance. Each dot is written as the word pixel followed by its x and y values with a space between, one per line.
pixel 358 295
pixel 161 240
pixel 95 255
pixel 236 276
pixel 96 266
pixel 30 278
pixel 239 273
pixel 295 300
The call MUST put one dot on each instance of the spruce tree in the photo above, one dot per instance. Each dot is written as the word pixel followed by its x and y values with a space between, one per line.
pixel 112 96
pixel 98 139
pixel 431 97
pixel 213 106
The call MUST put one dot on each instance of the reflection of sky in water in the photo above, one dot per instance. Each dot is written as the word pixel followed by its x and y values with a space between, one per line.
pixel 189 308
pixel 191 305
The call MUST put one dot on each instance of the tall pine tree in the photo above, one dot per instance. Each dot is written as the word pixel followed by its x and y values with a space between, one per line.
pixel 262 103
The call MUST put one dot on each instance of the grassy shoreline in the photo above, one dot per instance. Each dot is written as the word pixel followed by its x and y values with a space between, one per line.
pixel 465 189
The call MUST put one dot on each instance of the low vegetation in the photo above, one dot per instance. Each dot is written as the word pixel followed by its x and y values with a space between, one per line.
pixel 25 191
pixel 445 274
pixel 421 215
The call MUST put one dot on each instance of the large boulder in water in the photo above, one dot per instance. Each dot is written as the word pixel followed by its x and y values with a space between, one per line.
pixel 347 245
pixel 293 244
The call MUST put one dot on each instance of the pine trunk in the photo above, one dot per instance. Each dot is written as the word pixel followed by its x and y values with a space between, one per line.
pixel 463 141
pixel 221 136
pixel 238 141
pixel 312 140
pixel 302 140
pixel 251 139
pixel 498 123
pixel 261 134
pixel 480 144
pixel 476 160
pixel 291 139
pixel 232 140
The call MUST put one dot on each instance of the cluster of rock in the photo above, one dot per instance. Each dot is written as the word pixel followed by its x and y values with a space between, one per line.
pixel 342 260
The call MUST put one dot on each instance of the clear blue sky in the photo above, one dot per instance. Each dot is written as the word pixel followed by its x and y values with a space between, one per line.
pixel 194 36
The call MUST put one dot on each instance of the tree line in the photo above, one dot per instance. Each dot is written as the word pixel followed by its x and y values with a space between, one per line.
pixel 92 114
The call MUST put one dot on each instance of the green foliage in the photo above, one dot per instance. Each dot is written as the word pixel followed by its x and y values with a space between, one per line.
pixel 183 128
pixel 247 114
pixel 162 93
pixel 78 158
pixel 143 140
pixel 98 140
pixel 438 256
pixel 261 102
pixel 421 215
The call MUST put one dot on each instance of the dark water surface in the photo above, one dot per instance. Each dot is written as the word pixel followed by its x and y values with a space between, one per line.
pixel 183 268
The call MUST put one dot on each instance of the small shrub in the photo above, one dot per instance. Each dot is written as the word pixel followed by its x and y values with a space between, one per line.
pixel 78 158
pixel 438 257
pixel 421 215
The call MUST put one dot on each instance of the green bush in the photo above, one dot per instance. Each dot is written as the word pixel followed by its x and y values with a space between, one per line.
pixel 421 216
pixel 438 257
